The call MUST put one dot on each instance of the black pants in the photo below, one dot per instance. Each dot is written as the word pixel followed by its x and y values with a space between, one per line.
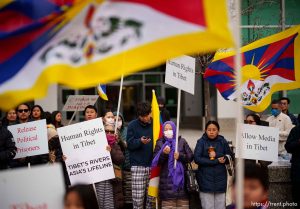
pixel 296 193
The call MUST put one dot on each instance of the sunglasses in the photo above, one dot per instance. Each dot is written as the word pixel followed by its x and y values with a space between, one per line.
pixel 23 110
pixel 109 132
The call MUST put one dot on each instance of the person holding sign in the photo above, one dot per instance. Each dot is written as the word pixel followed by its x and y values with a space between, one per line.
pixel 109 192
pixel 172 190
pixel 140 146
pixel 253 119
pixel 210 153
pixel 23 113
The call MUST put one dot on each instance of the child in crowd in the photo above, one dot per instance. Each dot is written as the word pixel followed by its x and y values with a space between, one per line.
pixel 256 186
pixel 80 197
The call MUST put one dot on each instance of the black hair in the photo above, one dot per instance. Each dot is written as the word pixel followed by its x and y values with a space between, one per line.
pixel 275 101
pixel 143 109
pixel 86 194
pixel 214 123
pixel 258 172
pixel 255 117
pixel 285 98
pixel 41 109
pixel 26 104
pixel 5 121
pixel 106 111
pixel 53 120
pixel 48 117
pixel 90 107
pixel 161 100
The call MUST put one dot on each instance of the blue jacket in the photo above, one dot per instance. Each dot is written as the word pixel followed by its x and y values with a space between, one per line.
pixel 140 154
pixel 211 175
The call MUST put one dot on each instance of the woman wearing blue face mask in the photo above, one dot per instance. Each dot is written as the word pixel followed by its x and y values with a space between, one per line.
pixel 172 191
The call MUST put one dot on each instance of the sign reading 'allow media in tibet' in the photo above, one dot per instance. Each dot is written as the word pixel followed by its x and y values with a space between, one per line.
pixel 84 145
pixel 41 187
pixel 31 138
pixel 79 102
pixel 258 143
pixel 180 73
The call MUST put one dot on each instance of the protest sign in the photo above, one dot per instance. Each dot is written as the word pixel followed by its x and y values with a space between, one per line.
pixel 258 143
pixel 79 102
pixel 180 73
pixel 84 145
pixel 40 187
pixel 31 138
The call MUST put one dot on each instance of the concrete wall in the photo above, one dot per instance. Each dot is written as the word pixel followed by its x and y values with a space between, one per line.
pixel 49 103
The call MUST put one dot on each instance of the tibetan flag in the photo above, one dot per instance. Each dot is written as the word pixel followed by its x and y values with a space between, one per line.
pixel 157 134
pixel 81 43
pixel 102 92
pixel 157 119
pixel 269 65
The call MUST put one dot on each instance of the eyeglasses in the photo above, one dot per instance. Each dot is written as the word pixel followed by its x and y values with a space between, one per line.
pixel 249 121
pixel 109 132
pixel 22 110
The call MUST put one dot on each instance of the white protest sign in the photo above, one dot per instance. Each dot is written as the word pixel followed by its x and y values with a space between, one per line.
pixel 79 102
pixel 39 187
pixel 258 143
pixel 84 145
pixel 31 138
pixel 180 73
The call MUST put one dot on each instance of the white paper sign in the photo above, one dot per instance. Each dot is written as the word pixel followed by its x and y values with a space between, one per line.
pixel 84 145
pixel 79 102
pixel 31 138
pixel 39 187
pixel 258 143
pixel 180 73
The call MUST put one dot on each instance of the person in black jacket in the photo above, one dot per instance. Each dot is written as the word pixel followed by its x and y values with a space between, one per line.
pixel 210 155
pixel 165 114
pixel 140 146
pixel 8 148
pixel 293 146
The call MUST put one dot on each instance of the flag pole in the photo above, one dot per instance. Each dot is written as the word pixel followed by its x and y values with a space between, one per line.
pixel 72 117
pixel 238 66
pixel 119 103
pixel 177 124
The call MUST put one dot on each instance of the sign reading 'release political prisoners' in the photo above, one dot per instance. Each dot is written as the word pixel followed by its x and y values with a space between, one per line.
pixel 180 73
pixel 84 145
pixel 258 143
pixel 31 138
pixel 79 102
pixel 40 187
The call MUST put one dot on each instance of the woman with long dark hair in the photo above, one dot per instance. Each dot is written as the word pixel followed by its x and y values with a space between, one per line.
pixel 210 155
pixel 57 119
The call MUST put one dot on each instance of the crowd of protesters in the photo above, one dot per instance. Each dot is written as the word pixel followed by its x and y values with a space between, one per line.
pixel 133 155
